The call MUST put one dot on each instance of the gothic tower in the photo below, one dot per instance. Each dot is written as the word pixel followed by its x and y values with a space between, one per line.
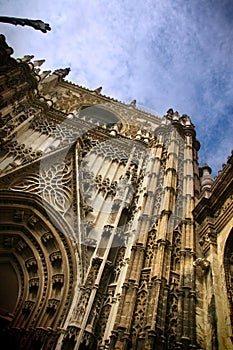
pixel 98 240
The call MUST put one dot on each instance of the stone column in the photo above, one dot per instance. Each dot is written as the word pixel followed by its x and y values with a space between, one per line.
pixel 186 303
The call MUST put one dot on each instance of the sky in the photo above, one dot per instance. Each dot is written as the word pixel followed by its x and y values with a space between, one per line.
pixel 163 53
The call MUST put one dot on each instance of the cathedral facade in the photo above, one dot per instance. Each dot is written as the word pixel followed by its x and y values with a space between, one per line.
pixel 111 235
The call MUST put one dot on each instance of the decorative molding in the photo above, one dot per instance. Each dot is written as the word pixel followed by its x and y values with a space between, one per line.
pixel 28 306
pixel 202 262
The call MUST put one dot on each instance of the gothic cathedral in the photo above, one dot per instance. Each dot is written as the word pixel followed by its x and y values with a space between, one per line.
pixel 111 235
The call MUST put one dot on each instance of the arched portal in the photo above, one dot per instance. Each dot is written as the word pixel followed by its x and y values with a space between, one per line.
pixel 228 266
pixel 9 287
pixel 38 267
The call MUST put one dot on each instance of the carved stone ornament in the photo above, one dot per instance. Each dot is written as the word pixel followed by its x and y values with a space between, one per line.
pixel 53 184
pixel 53 304
pixel 202 262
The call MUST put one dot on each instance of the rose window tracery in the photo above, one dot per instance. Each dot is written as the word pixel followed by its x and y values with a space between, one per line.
pixel 53 185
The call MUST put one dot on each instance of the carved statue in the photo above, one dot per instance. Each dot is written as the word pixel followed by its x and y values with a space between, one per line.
pixel 202 262
pixel 62 72
pixel 5 50
pixel 35 23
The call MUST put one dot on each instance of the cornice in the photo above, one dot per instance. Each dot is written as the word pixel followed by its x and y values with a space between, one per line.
pixel 221 190
pixel 105 98
pixel 18 198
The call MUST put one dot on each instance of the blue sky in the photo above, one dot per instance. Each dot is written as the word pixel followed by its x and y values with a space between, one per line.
pixel 164 54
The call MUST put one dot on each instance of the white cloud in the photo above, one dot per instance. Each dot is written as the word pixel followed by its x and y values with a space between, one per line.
pixel 164 54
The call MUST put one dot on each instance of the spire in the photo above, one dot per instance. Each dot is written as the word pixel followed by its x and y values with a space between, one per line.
pixel 169 114
pixel 133 103
pixel 44 74
pixel 62 72
pixel 98 90
pixel 5 50
pixel 26 58
pixel 38 63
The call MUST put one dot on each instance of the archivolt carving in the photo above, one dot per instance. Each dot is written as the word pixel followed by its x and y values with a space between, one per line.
pixel 23 246
pixel 52 305
pixel 28 306
pixel 46 290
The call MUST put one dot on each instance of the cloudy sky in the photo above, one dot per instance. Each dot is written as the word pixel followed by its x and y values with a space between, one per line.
pixel 163 53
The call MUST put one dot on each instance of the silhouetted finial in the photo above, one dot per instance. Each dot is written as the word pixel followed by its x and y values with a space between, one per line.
pixel 98 90
pixel 62 72
pixel 38 63
pixel 25 58
pixel 133 103
pixel 206 179
pixel 5 50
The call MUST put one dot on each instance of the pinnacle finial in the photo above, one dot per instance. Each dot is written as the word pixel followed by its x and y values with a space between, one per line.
pixel 38 63
pixel 206 179
pixel 44 74
pixel 133 103
pixel 62 72
pixel 98 90
pixel 26 58
pixel 5 50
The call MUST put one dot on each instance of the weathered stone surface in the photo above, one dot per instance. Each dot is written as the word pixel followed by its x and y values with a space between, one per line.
pixel 110 237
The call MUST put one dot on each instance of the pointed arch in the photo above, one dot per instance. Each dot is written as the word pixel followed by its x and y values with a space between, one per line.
pixel 37 243
pixel 228 268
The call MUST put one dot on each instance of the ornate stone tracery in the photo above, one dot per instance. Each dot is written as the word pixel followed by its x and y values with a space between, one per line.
pixel 108 234
pixel 24 249
pixel 141 304
pixel 53 184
